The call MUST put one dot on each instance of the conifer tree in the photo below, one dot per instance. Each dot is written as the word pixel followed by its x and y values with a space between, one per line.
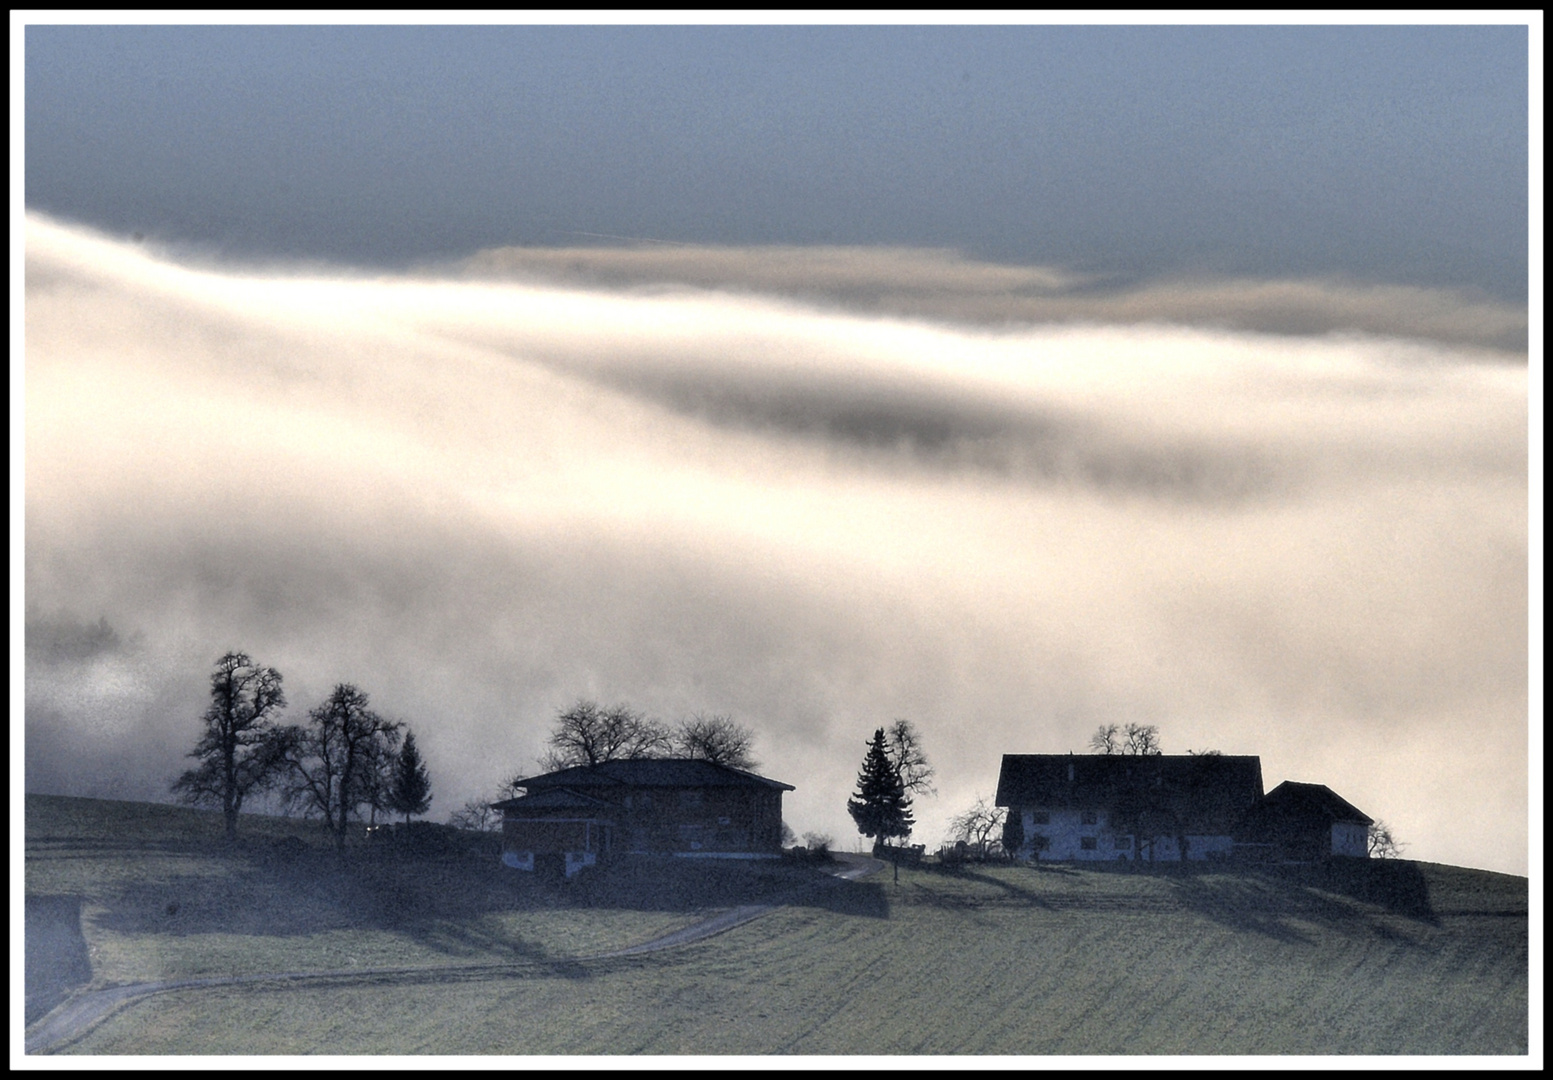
pixel 881 807
pixel 412 783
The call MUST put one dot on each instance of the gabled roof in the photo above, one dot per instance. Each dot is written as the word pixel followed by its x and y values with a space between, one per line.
pixel 1205 791
pixel 651 772
pixel 1293 799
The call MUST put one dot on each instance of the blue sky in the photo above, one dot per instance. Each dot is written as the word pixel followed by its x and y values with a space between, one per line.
pixel 1390 153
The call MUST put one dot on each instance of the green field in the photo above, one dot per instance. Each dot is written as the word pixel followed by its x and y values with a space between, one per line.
pixel 1375 958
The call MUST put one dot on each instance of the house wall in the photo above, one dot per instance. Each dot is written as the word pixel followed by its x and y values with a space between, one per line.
pixel 1067 831
pixel 711 819
pixel 520 835
pixel 1209 847
pixel 1350 838
pixel 1312 838
pixel 527 841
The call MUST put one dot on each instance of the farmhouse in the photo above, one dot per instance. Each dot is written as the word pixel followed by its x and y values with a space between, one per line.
pixel 1168 807
pixel 653 806
pixel 1154 807
pixel 1306 822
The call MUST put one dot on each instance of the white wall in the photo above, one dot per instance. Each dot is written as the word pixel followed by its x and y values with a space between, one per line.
pixel 1067 831
pixel 1349 838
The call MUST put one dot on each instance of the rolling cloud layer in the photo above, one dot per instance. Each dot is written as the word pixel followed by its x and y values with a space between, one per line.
pixel 940 284
pixel 815 490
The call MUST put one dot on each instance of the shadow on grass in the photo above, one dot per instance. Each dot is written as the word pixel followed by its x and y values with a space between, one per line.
pixel 1011 891
pixel 1345 894
pixel 1277 902
pixel 72 847
pixel 440 902
pixel 56 958
pixel 645 883
pixel 1248 903
pixel 1396 885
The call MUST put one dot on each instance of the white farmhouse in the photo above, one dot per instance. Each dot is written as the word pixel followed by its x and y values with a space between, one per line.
pixel 1154 807
pixel 1168 807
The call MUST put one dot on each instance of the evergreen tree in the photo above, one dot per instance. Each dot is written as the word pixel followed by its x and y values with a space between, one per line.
pixel 412 783
pixel 881 806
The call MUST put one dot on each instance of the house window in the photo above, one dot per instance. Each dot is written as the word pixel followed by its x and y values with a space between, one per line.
pixel 1090 817
pixel 1040 817
pixel 1087 843
pixel 722 821
pixel 690 798
pixel 1124 842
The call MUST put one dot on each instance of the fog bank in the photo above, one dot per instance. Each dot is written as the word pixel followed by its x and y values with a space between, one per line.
pixel 483 491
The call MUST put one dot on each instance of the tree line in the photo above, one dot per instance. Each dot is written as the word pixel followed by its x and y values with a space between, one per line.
pixel 349 758
pixel 345 758
pixel 587 734
pixel 348 761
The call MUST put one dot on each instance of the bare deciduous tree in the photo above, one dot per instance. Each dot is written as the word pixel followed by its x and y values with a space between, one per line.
pixel 1383 843
pixel 241 751
pixel 1106 739
pixel 476 816
pixel 718 739
pixel 377 774
pixel 513 788
pixel 337 763
pixel 911 764
pixel 586 734
pixel 1141 739
pixel 1133 739
pixel 979 825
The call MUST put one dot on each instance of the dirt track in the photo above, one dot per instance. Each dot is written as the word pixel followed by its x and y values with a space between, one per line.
pixel 81 1012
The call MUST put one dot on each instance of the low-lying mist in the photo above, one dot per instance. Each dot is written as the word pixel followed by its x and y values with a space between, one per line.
pixel 481 495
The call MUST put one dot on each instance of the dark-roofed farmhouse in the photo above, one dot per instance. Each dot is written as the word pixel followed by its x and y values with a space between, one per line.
pixel 1306 822
pixel 1153 807
pixel 652 806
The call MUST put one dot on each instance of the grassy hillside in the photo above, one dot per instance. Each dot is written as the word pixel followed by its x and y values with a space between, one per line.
pixel 160 895
pixel 1380 958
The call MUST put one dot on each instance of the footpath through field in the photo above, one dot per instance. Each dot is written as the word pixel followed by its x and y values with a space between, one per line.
pixel 74 1017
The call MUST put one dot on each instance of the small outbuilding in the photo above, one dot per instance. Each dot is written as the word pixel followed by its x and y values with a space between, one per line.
pixel 1308 823
pixel 575 817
